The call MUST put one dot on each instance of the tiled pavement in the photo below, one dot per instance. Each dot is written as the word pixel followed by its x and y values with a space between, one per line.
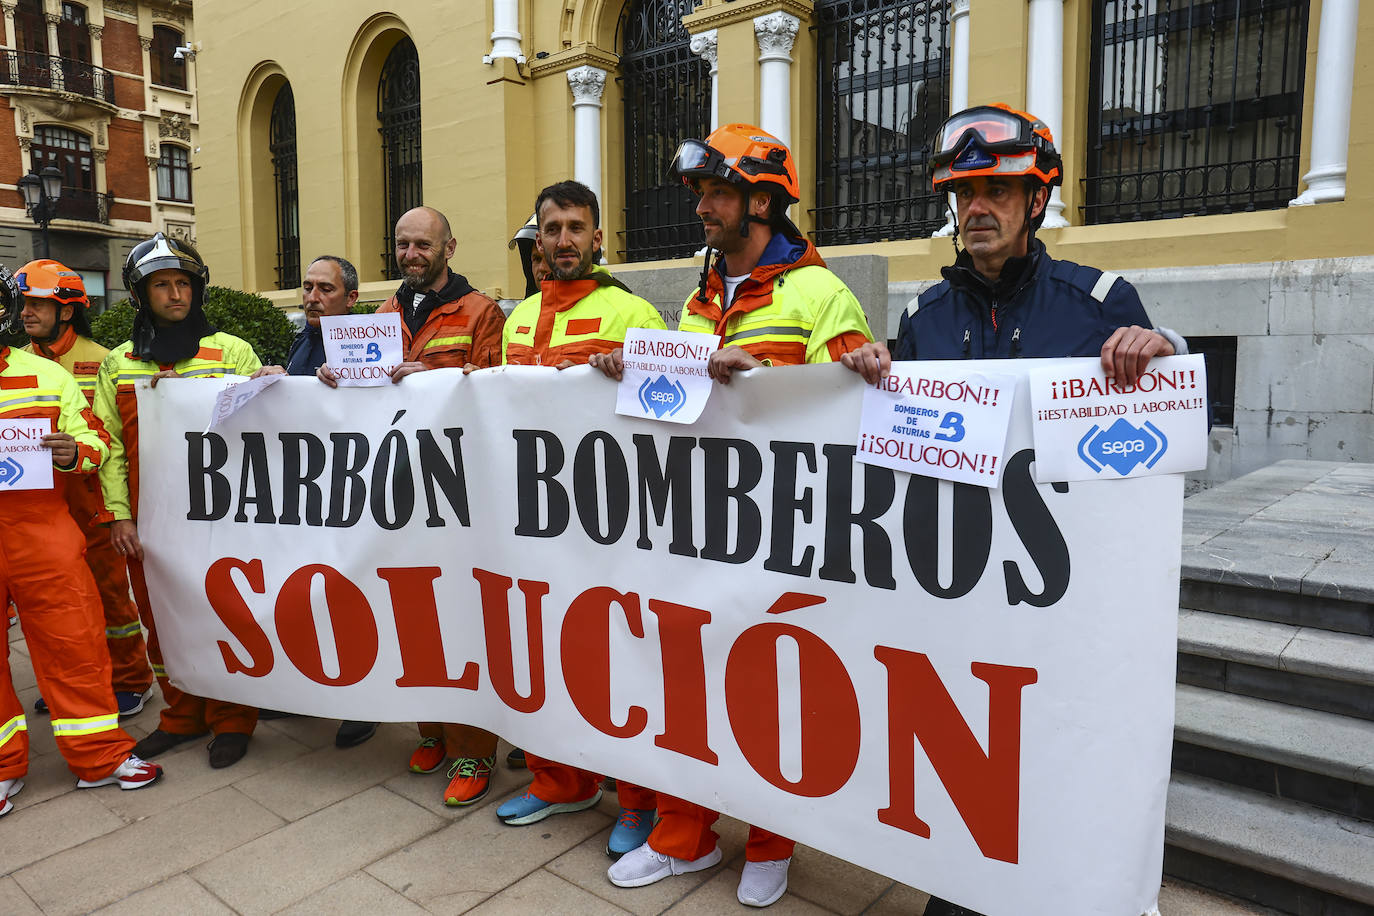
pixel 301 827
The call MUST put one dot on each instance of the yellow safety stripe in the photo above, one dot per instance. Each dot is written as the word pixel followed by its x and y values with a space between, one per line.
pixel 11 728
pixel 125 631
pixel 30 396
pixel 789 334
pixel 211 369
pixel 158 670
pixel 450 341
pixel 71 728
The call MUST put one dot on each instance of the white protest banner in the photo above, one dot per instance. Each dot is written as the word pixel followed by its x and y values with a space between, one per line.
pixel 233 396
pixel 25 463
pixel 969 690
pixel 938 419
pixel 362 349
pixel 1086 427
pixel 665 375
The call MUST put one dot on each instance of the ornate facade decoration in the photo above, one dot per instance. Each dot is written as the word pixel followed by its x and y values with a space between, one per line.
pixel 175 126
pixel 776 33
pixel 146 42
pixel 121 8
pixel 183 232
pixel 96 31
pixel 152 162
pixel 587 85
pixel 706 45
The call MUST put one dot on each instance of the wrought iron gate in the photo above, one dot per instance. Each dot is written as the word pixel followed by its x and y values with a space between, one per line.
pixel 283 148
pixel 667 100
pixel 398 110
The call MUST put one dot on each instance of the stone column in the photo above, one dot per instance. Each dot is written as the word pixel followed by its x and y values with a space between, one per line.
pixel 705 45
pixel 505 33
pixel 587 85
pixel 1325 179
pixel 9 9
pixel 776 33
pixel 53 19
pixel 958 82
pixel 1045 84
pixel 97 52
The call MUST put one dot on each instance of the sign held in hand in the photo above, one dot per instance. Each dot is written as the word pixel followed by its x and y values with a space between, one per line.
pixel 25 462
pixel 362 349
pixel 665 375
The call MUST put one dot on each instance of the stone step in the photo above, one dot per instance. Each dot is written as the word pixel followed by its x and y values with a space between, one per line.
pixel 1302 666
pixel 1313 757
pixel 1296 603
pixel 1276 852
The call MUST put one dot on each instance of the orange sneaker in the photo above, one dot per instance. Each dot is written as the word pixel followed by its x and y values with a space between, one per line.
pixel 469 780
pixel 428 757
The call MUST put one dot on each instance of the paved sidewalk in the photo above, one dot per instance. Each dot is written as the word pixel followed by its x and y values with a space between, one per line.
pixel 299 826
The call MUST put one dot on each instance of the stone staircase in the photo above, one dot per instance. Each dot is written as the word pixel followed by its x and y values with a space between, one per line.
pixel 1272 795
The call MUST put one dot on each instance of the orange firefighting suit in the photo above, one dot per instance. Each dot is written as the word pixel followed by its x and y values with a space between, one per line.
pixel 791 310
pixel 571 320
pixel 116 404
pixel 42 569
pixel 82 356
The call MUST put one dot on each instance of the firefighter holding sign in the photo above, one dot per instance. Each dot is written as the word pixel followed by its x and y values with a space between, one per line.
pixel 43 571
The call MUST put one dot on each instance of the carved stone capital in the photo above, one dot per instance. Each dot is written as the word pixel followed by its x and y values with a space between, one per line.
pixel 100 154
pixel 96 31
pixel 152 162
pixel 706 45
pixel 958 8
pixel 53 18
pixel 776 33
pixel 9 9
pixel 189 55
pixel 587 85
pixel 146 42
pixel 25 143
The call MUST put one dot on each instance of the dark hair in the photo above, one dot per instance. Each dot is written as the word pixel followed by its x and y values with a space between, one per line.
pixel 570 194
pixel 346 270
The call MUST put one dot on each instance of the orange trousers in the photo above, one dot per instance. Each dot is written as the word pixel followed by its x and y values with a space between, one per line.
pixel 684 832
pixel 123 635
pixel 186 714
pixel 560 783
pixel 43 570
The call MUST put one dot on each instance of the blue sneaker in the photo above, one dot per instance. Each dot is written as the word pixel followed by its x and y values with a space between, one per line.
pixel 631 831
pixel 527 809
pixel 131 702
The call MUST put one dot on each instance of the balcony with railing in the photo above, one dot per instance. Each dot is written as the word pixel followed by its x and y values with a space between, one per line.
pixel 62 74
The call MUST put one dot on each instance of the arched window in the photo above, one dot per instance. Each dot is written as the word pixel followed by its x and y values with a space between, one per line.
pixel 174 174
pixel 667 100
pixel 70 152
pixel 398 111
pixel 883 91
pixel 167 69
pixel 283 147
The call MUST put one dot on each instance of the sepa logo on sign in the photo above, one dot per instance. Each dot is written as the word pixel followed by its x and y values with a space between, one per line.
pixel 10 472
pixel 661 397
pixel 1122 446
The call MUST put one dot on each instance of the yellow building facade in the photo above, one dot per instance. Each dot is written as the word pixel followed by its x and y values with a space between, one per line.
pixel 1214 124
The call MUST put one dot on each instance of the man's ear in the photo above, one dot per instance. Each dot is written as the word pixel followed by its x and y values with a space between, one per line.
pixel 1042 199
pixel 352 298
pixel 450 248
pixel 760 202
pixel 66 312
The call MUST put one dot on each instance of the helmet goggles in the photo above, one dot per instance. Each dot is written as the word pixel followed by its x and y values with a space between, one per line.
pixel 695 159
pixel 995 130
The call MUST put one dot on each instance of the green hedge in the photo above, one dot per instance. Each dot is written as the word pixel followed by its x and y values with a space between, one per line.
pixel 245 315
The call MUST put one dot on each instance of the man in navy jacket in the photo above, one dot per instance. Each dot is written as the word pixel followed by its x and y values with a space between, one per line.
pixel 1004 296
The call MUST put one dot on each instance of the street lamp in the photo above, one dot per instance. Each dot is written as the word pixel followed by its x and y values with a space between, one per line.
pixel 41 192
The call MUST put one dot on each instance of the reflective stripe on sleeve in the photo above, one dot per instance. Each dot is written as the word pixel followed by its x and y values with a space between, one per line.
pixel 460 340
pixel 158 670
pixel 125 631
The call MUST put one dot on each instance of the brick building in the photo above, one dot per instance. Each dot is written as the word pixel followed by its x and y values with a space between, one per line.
pixel 105 92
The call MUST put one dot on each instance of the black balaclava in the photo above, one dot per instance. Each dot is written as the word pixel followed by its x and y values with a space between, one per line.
pixel 175 342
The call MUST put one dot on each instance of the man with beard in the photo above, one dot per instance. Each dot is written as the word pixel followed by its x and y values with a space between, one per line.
pixel 54 316
pixel 580 310
pixel 166 280
pixel 444 323
pixel 769 298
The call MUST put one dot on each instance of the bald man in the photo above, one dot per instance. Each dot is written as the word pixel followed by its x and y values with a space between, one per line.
pixel 444 321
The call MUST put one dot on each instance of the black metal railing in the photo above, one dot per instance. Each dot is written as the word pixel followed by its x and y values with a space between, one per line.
pixel 1195 107
pixel 883 90
pixel 285 178
pixel 29 68
pixel 667 92
pixel 86 206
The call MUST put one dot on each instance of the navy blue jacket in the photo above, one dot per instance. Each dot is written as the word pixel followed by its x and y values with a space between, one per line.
pixel 1039 307
pixel 306 353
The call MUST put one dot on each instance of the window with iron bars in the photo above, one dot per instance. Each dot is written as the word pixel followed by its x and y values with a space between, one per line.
pixel 1195 107
pixel 398 112
pixel 883 91
pixel 667 95
pixel 285 179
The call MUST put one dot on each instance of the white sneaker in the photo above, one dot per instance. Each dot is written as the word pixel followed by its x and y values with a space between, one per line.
pixel 8 789
pixel 762 883
pixel 642 866
pixel 133 773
